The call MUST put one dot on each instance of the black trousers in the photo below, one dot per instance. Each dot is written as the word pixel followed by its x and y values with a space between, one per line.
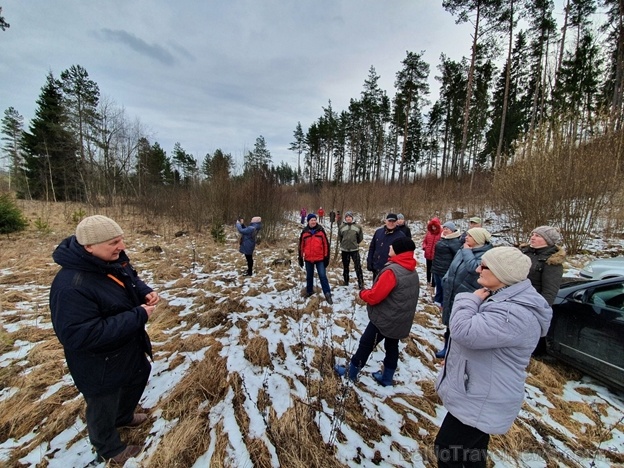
pixel 370 338
pixel 249 259
pixel 357 265
pixel 430 279
pixel 105 413
pixel 458 445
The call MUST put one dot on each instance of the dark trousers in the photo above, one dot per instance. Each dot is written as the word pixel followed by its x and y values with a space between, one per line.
pixel 439 294
pixel 430 279
pixel 370 338
pixel 458 445
pixel 357 265
pixel 249 259
pixel 105 413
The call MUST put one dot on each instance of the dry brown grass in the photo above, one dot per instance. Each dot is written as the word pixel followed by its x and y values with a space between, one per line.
pixel 257 352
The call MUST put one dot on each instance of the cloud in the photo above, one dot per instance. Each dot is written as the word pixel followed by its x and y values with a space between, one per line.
pixel 153 51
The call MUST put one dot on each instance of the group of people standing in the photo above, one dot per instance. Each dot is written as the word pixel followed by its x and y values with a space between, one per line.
pixel 495 303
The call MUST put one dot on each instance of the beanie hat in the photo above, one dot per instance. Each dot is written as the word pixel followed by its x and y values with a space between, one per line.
pixel 403 244
pixel 349 213
pixel 97 229
pixel 450 225
pixel 508 264
pixel 549 234
pixel 256 219
pixel 475 220
pixel 480 235
pixel 310 216
pixel 391 217
pixel 400 216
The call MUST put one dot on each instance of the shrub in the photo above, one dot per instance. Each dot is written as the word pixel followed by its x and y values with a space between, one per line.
pixel 11 218
pixel 218 233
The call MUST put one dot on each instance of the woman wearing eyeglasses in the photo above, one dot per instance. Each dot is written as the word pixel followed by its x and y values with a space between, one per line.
pixel 493 331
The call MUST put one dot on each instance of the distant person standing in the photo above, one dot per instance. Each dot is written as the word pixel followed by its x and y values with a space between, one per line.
pixel 380 244
pixel 350 235
pixel 474 222
pixel 314 253
pixel 99 310
pixel 434 232
pixel 402 227
pixel 303 213
pixel 391 305
pixel 321 214
pixel 338 218
pixel 248 240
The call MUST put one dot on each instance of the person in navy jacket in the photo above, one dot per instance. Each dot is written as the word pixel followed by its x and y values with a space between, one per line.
pixel 99 310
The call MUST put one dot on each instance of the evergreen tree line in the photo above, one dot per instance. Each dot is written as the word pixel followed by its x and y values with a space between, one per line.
pixel 80 147
pixel 555 78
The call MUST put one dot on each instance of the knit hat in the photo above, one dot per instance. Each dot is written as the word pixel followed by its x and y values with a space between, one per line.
pixel 391 217
pixel 450 225
pixel 549 234
pixel 400 216
pixel 480 235
pixel 256 219
pixel 403 244
pixel 97 229
pixel 310 216
pixel 475 220
pixel 349 213
pixel 508 264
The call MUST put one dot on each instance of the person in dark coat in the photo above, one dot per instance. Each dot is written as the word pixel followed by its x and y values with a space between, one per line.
pixel 314 252
pixel 248 240
pixel 391 305
pixel 402 227
pixel 546 267
pixel 380 244
pixel 462 275
pixel 434 232
pixel 444 252
pixel 99 309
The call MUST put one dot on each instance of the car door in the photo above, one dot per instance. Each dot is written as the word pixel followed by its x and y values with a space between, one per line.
pixel 589 331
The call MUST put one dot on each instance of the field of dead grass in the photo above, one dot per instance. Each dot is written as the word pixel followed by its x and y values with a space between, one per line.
pixel 38 402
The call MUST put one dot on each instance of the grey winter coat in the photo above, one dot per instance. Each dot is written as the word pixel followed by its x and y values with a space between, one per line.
pixel 546 269
pixel 349 236
pixel 445 250
pixel 482 382
pixel 461 276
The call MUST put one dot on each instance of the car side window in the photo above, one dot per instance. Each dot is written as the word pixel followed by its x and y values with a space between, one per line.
pixel 611 296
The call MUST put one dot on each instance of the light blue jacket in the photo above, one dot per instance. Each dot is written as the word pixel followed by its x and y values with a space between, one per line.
pixel 482 382
pixel 248 239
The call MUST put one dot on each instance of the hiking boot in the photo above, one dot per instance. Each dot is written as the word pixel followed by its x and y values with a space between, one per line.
pixel 328 298
pixel 131 451
pixel 137 420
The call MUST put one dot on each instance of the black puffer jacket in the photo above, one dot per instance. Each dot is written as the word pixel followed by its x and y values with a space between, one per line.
pixel 445 250
pixel 99 321
pixel 546 269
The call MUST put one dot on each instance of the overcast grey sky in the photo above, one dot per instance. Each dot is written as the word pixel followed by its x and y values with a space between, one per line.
pixel 217 74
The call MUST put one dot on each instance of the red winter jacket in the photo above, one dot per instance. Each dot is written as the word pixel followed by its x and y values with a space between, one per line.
pixel 313 244
pixel 434 231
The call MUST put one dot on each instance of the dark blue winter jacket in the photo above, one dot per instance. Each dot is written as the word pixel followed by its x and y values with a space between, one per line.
pixel 379 248
pixel 248 237
pixel 98 318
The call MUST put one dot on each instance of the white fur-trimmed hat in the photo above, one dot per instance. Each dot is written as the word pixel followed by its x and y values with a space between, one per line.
pixel 97 229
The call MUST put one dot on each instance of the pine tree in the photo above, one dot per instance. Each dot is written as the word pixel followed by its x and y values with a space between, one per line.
pixel 3 24
pixel 50 150
pixel 298 145
pixel 13 130
pixel 259 158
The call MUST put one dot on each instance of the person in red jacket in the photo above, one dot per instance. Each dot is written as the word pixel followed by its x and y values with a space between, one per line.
pixel 391 305
pixel 314 252
pixel 434 231
pixel 321 213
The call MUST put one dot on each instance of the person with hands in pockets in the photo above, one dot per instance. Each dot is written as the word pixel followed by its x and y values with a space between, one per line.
pixel 99 309
pixel 314 253
pixel 493 332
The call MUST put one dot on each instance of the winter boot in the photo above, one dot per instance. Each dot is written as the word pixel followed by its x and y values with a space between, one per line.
pixel 384 377
pixel 328 298
pixel 342 370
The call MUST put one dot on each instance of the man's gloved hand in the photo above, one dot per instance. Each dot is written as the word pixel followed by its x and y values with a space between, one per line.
pixel 301 262
pixel 326 262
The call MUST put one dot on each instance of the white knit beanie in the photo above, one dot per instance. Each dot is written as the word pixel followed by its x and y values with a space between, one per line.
pixel 508 264
pixel 97 229
pixel 480 235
